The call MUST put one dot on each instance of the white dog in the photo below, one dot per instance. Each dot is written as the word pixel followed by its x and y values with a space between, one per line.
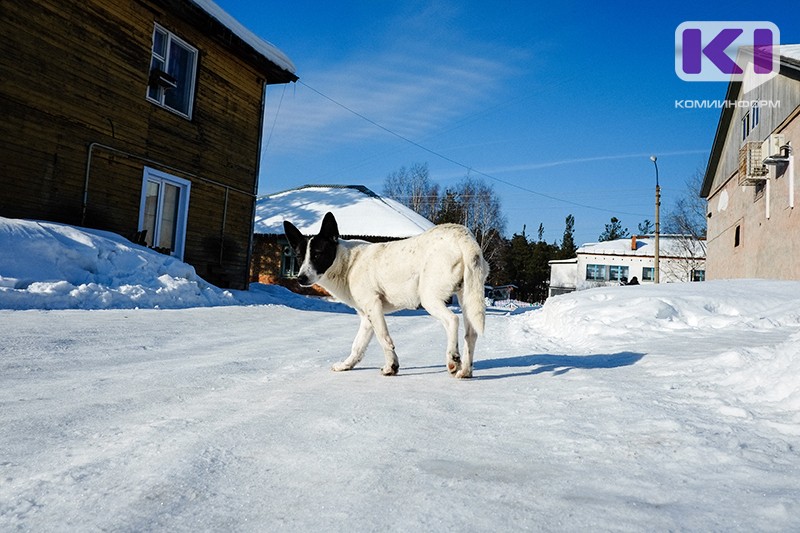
pixel 378 278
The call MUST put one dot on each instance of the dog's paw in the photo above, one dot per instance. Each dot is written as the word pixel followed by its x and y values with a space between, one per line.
pixel 340 367
pixel 464 373
pixel 453 365
pixel 390 370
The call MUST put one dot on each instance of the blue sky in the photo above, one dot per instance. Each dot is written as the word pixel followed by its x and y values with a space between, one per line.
pixel 561 103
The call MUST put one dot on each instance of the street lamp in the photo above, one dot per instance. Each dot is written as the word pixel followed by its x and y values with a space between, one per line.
pixel 656 260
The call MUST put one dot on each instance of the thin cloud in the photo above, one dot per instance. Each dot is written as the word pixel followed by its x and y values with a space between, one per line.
pixel 576 160
pixel 399 91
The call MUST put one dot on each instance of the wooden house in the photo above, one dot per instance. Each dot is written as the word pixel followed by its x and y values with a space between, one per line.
pixel 750 182
pixel 142 117
pixel 360 214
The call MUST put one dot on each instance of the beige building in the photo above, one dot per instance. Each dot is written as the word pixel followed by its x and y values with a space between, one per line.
pixel 750 182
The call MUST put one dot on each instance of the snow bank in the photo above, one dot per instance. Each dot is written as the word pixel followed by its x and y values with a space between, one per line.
pixel 45 265
pixel 611 312
pixel 731 333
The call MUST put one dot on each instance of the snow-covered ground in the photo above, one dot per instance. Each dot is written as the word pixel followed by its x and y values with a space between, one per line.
pixel 674 407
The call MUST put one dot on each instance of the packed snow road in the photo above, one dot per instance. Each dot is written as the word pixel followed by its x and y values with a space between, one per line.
pixel 624 409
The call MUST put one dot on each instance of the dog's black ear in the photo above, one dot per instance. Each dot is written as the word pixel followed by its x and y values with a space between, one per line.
pixel 329 230
pixel 296 239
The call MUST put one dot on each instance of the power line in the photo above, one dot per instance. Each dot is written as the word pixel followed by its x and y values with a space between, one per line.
pixel 458 163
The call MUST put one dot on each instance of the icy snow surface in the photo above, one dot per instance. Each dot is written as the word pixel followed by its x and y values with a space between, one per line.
pixel 643 408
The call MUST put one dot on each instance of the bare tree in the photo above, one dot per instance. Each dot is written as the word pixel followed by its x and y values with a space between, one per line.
pixel 687 221
pixel 412 187
pixel 688 217
pixel 471 202
pixel 482 214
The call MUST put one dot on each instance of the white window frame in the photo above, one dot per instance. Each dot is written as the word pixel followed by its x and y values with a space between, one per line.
pixel 170 39
pixel 185 186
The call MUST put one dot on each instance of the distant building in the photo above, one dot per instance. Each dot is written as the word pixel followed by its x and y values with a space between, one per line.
pixel 753 228
pixel 563 276
pixel 618 262
pixel 360 214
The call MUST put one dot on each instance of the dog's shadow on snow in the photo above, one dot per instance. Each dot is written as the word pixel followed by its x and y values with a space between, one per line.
pixel 556 365
pixel 530 365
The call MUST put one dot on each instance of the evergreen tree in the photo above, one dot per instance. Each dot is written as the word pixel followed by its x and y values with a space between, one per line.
pixel 646 227
pixel 568 247
pixel 450 209
pixel 613 231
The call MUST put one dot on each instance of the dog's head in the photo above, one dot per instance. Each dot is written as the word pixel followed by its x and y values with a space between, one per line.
pixel 316 254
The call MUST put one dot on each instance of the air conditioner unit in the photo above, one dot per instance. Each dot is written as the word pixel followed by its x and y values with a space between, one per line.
pixel 772 146
pixel 751 167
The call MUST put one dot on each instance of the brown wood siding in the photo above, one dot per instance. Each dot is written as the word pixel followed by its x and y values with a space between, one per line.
pixel 75 73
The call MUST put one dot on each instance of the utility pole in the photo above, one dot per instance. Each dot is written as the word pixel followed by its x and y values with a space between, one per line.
pixel 657 258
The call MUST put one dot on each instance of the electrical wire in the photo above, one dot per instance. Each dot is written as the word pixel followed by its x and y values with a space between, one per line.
pixel 466 167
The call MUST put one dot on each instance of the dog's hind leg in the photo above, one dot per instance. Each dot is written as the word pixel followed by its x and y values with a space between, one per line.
pixel 360 344
pixel 470 338
pixel 439 310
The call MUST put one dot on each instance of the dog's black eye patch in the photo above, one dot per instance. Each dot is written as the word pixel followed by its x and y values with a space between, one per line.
pixel 322 253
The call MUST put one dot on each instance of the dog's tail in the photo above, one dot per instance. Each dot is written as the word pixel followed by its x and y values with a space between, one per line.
pixel 473 306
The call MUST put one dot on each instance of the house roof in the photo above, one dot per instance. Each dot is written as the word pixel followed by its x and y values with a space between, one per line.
pixel 789 59
pixel 255 45
pixel 359 212
pixel 668 246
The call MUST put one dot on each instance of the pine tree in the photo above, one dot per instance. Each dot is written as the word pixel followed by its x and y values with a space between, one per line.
pixel 568 247
pixel 646 227
pixel 614 231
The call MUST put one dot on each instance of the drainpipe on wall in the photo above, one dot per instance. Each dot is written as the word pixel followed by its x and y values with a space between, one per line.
pixel 790 170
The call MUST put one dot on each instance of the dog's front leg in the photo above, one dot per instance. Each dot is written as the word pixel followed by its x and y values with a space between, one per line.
pixel 360 344
pixel 376 318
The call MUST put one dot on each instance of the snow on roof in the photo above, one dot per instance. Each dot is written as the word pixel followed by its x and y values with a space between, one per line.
pixel 791 51
pixel 669 245
pixel 265 48
pixel 358 211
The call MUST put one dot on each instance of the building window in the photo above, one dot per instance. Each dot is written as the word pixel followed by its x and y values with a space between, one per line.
pixel 617 273
pixel 173 69
pixel 745 125
pixel 648 274
pixel 595 272
pixel 737 236
pixel 289 266
pixel 755 117
pixel 698 275
pixel 163 211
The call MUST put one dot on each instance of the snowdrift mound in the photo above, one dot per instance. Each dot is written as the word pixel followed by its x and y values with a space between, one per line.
pixel 738 334
pixel 609 312
pixel 44 265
